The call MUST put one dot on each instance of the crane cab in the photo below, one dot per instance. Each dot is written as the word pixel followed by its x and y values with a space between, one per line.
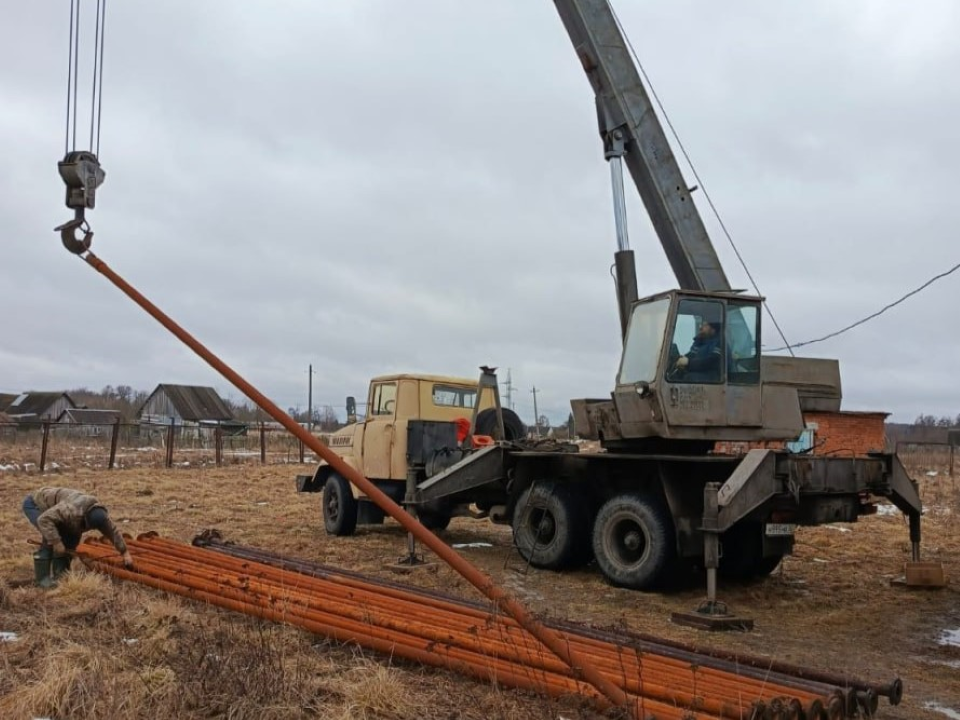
pixel 691 373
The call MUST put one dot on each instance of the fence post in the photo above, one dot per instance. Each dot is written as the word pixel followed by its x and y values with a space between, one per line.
pixel 301 452
pixel 113 443
pixel 263 444
pixel 218 445
pixel 952 450
pixel 170 444
pixel 43 445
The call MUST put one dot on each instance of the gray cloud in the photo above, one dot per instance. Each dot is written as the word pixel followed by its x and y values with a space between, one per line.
pixel 375 186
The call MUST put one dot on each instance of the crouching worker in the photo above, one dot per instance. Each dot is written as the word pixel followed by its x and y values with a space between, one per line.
pixel 62 516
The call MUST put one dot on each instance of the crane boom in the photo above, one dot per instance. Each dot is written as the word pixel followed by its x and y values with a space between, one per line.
pixel 630 128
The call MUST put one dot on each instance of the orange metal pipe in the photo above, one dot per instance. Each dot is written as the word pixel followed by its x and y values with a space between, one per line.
pixel 471 574
pixel 492 671
pixel 726 687
pixel 647 683
pixel 722 700
pixel 478 665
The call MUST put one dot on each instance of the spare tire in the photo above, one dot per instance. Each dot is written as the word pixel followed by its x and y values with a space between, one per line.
pixel 512 425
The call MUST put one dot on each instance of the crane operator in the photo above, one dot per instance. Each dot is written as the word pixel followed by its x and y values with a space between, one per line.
pixel 702 362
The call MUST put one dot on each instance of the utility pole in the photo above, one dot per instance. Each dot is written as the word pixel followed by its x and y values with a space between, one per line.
pixel 508 386
pixel 310 398
pixel 536 413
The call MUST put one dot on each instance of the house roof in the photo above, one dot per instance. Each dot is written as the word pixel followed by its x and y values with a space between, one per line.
pixel 35 403
pixel 89 416
pixel 194 403
pixel 6 399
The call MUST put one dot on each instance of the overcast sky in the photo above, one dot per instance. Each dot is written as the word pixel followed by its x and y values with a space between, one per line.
pixel 373 186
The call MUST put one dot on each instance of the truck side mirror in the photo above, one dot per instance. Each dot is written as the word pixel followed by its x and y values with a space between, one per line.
pixel 351 409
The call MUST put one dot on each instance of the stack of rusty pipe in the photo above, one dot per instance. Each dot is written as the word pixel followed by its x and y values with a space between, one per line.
pixel 665 681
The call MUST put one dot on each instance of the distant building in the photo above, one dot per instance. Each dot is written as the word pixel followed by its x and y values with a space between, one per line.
pixel 8 428
pixel 849 433
pixel 89 422
pixel 6 399
pixel 34 407
pixel 186 406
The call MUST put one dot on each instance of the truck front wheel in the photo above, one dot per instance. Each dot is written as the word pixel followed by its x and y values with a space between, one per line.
pixel 339 507
pixel 549 526
pixel 633 540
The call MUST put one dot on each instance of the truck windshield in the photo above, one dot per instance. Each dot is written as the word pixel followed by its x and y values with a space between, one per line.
pixel 641 349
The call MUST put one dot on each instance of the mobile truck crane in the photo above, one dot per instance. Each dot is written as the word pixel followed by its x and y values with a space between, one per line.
pixel 657 496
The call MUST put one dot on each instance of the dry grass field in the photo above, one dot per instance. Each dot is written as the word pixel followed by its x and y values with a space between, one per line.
pixel 94 647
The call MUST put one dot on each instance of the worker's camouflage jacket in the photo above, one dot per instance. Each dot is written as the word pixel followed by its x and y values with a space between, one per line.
pixel 63 517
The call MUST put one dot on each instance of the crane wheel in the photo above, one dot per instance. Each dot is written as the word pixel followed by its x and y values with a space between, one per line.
pixel 339 507
pixel 550 527
pixel 633 541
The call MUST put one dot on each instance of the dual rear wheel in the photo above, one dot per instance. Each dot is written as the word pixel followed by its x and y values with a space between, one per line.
pixel 631 538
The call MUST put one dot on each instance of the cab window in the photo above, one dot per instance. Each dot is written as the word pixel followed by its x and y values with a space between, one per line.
pixel 449 396
pixel 384 399
pixel 743 344
pixel 697 346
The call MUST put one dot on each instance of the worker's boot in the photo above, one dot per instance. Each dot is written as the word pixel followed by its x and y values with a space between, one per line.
pixel 43 566
pixel 59 565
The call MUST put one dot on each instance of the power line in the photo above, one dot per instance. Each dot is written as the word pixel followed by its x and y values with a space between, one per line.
pixel 876 314
pixel 696 175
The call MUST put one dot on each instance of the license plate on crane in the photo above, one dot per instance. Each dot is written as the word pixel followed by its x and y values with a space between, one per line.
pixel 780 529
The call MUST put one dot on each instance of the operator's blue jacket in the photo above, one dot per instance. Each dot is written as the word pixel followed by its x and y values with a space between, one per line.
pixel 704 360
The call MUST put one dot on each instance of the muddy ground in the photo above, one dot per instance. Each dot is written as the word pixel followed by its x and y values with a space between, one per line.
pixel 94 647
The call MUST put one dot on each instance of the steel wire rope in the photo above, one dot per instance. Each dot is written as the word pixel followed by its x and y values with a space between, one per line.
pixel 879 312
pixel 76 70
pixel 696 176
pixel 66 138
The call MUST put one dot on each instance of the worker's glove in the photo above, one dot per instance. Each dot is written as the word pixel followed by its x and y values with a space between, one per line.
pixel 127 560
pixel 59 549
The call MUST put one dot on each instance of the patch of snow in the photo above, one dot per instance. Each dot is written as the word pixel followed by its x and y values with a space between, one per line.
pixel 838 528
pixel 8 636
pixel 5 468
pixel 820 560
pixel 932 473
pixel 262 502
pixel 937 707
pixel 130 641
pixel 949 637
pixel 887 510
pixel 955 664
pixel 471 545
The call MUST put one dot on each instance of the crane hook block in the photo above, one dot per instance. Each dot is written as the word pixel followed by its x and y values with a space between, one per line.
pixel 82 174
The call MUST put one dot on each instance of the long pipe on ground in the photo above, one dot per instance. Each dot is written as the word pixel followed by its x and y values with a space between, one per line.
pixel 488 644
pixel 480 580
pixel 724 683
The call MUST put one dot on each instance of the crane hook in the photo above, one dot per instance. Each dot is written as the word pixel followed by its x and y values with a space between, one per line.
pixel 73 243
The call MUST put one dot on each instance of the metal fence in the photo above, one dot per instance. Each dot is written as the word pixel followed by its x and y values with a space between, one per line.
pixel 52 445
pixel 928 457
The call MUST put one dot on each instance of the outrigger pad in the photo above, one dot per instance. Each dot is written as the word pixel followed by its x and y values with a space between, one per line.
pixel 922 574
pixel 713 616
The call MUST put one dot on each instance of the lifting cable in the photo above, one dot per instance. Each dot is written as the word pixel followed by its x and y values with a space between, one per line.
pixel 696 175
pixel 80 169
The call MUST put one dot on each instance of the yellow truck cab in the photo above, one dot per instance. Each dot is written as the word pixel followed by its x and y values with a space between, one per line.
pixel 376 446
